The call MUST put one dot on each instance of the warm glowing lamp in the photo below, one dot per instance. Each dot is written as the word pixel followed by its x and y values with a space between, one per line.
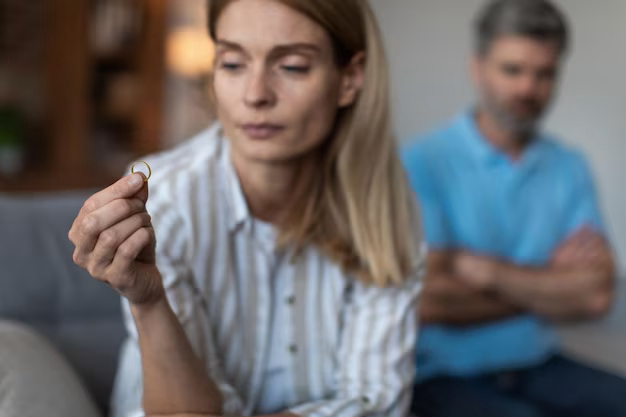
pixel 190 52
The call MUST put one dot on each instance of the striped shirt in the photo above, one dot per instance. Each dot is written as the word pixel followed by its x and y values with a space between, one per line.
pixel 341 348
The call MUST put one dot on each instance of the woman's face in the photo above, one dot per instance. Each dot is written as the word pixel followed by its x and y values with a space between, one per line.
pixel 276 84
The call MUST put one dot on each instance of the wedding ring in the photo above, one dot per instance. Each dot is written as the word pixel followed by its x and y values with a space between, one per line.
pixel 132 168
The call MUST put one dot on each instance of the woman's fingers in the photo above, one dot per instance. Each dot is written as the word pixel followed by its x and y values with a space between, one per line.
pixel 115 240
pixel 142 194
pixel 138 247
pixel 126 187
pixel 133 272
pixel 110 239
pixel 87 231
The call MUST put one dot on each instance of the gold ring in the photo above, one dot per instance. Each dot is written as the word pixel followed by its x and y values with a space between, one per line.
pixel 132 168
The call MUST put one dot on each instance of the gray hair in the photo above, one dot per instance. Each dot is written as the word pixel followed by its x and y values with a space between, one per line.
pixel 536 19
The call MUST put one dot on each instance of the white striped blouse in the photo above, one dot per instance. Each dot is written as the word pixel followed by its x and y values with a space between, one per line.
pixel 338 348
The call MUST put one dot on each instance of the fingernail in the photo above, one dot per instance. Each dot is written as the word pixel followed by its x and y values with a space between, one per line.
pixel 135 180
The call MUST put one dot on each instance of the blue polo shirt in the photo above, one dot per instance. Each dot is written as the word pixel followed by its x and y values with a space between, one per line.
pixel 474 197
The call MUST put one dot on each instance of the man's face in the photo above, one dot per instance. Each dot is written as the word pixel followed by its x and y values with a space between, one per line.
pixel 516 79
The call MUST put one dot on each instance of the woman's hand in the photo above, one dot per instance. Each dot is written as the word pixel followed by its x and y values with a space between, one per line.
pixel 115 241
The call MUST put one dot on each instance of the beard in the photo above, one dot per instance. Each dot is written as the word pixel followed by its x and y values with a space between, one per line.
pixel 521 116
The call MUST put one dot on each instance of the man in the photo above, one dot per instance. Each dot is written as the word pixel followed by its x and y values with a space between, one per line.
pixel 517 241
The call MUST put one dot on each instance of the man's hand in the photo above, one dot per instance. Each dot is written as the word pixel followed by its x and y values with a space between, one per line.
pixel 478 271
pixel 585 247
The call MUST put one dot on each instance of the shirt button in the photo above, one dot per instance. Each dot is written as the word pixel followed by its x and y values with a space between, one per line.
pixel 291 300
pixel 293 349
pixel 365 400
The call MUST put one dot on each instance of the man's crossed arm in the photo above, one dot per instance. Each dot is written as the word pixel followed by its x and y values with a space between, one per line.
pixel 463 288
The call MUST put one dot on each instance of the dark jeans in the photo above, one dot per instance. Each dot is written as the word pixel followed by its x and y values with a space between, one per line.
pixel 560 387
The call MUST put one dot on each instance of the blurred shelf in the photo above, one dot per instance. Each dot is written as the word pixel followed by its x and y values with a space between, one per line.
pixel 95 105
pixel 43 181
pixel 123 60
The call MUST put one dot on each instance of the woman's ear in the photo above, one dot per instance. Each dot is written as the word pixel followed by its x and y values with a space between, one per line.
pixel 353 78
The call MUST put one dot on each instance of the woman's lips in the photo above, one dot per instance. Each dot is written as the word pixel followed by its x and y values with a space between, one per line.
pixel 261 131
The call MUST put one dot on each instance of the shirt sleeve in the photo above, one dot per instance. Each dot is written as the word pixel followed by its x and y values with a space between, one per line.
pixel 582 201
pixel 426 185
pixel 187 303
pixel 376 359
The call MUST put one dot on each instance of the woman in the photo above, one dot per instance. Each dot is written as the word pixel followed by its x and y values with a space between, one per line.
pixel 285 251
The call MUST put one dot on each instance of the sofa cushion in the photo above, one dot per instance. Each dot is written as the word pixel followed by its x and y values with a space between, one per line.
pixel 41 286
pixel 30 368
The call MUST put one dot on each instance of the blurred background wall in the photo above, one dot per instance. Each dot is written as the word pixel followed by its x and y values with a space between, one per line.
pixel 429 42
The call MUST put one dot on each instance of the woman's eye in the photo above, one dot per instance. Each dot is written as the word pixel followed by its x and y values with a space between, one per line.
pixel 230 66
pixel 296 69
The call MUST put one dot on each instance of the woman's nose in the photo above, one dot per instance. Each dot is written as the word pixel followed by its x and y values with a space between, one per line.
pixel 259 91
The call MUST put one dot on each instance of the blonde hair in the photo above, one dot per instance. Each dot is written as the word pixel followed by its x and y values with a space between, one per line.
pixel 360 211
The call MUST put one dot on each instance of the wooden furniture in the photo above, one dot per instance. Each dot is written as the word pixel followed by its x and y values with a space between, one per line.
pixel 103 81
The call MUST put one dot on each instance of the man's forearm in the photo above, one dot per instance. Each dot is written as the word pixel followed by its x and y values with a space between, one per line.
pixel 479 289
pixel 557 293
pixel 174 379
pixel 446 300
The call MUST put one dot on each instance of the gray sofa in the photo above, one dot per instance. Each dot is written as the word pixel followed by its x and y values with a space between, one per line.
pixel 41 286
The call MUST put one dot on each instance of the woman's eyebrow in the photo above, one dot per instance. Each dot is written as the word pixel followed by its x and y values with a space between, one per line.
pixel 224 44
pixel 296 47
